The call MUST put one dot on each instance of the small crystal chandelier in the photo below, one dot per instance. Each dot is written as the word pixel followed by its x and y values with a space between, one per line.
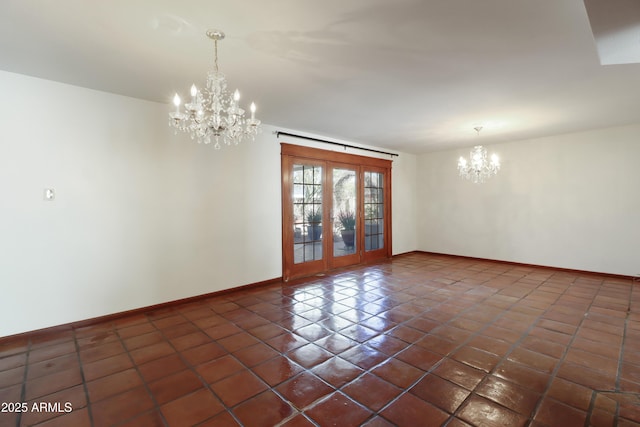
pixel 479 168
pixel 212 113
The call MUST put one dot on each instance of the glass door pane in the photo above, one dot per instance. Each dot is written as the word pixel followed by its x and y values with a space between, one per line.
pixel 373 211
pixel 307 213
pixel 344 212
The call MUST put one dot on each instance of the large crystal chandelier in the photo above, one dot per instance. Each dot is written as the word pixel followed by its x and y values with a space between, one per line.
pixel 213 115
pixel 479 167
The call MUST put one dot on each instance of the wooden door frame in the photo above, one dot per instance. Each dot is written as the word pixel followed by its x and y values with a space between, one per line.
pixel 355 258
pixel 326 158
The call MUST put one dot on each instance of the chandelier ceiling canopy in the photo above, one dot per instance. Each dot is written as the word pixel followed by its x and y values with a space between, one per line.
pixel 213 115
pixel 479 167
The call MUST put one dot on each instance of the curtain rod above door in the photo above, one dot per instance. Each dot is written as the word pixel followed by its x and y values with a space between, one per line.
pixel 340 144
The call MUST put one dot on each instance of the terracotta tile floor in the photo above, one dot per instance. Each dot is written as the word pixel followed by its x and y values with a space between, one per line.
pixel 422 340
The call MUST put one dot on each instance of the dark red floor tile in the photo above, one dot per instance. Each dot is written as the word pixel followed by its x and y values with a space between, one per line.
pixel 312 332
pixel 203 353
pixel 304 389
pixel 439 392
pixel 220 368
pixel 417 314
pixel 264 332
pixel 419 357
pixel 151 352
pixel 192 408
pixel 479 411
pixel 406 334
pixel 359 333
pixel 337 371
pixel 222 330
pixel 172 386
pixel 264 410
pixel 255 354
pixel 578 374
pixel 11 394
pixel 169 321
pixel 223 419
pixel 523 376
pixel 364 356
pixel 630 372
pixel 556 414
pixel 13 361
pixel 298 421
pixel 398 372
pixel 108 366
pixel 54 365
pixel 136 330
pixel 144 340
pixel 121 407
pixel 371 391
pixel 509 395
pixel 592 361
pixel 309 355
pixel 49 352
pixel 556 326
pixel 12 376
pixel 451 333
pixel 459 373
pixel 338 409
pixel 379 324
pixel 238 387
pixel 152 418
pixel 191 340
pixel 277 370
pixel 387 344
pixel 490 345
pixel 437 345
pixel 286 342
pixel 79 418
pixel 456 422
pixel 476 358
pixel 410 410
pixel 238 341
pixel 467 324
pixel 96 352
pixel 570 393
pixel 52 383
pixel 69 399
pixel 336 343
pixel 113 384
pixel 533 360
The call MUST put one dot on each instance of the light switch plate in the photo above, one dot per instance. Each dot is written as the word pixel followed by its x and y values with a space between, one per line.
pixel 49 194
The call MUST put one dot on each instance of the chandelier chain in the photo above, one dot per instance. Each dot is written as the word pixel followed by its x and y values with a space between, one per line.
pixel 215 56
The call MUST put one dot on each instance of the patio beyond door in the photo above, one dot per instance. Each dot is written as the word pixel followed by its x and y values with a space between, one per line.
pixel 335 210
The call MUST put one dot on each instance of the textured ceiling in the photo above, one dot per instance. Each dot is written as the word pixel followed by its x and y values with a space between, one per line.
pixel 412 75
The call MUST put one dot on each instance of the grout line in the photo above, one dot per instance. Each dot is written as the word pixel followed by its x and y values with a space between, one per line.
pixel 563 356
pixel 23 391
pixel 474 334
pixel 391 284
pixel 83 379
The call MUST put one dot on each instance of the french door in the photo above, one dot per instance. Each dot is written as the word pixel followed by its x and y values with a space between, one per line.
pixel 336 210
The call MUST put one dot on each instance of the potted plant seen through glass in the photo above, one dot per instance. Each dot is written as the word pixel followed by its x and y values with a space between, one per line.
pixel 314 218
pixel 348 221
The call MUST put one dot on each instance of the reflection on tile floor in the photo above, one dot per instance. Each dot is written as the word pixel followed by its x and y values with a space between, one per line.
pixel 422 340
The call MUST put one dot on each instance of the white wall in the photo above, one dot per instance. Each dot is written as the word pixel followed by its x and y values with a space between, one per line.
pixel 141 216
pixel 569 201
